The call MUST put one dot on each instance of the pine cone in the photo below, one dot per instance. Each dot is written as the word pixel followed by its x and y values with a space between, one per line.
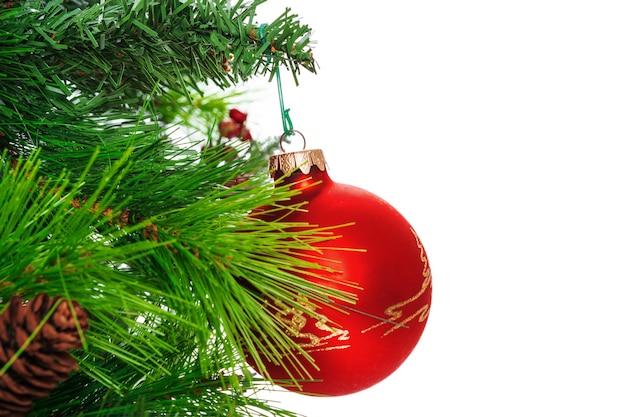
pixel 45 362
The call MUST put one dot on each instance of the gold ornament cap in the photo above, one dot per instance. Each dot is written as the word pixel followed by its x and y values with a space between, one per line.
pixel 289 162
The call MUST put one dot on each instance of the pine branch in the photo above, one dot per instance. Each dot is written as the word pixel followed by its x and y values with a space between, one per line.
pixel 185 389
pixel 248 262
pixel 75 78
pixel 196 288
pixel 100 205
pixel 145 45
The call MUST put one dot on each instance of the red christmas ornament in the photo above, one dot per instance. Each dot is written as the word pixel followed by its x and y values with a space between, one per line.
pixel 357 350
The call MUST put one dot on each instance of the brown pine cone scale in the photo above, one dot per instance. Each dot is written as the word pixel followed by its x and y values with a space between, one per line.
pixel 45 362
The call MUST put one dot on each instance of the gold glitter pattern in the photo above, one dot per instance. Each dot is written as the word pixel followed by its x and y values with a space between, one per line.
pixel 295 321
pixel 396 313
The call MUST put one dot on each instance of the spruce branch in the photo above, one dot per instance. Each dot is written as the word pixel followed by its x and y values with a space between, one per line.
pixel 143 46
pixel 101 204
pixel 73 78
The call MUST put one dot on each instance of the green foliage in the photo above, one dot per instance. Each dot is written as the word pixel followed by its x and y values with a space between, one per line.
pixel 100 202
pixel 175 301
pixel 203 111
pixel 79 73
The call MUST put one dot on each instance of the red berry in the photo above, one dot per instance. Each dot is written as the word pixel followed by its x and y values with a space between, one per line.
pixel 245 134
pixel 238 116
pixel 229 129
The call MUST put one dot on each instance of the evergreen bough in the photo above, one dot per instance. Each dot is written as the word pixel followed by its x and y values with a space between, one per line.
pixel 104 206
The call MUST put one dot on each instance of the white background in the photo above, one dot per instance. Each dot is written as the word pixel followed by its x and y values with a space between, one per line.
pixel 497 128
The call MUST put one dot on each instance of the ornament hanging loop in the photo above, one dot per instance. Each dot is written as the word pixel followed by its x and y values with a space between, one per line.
pixel 284 113
pixel 284 136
